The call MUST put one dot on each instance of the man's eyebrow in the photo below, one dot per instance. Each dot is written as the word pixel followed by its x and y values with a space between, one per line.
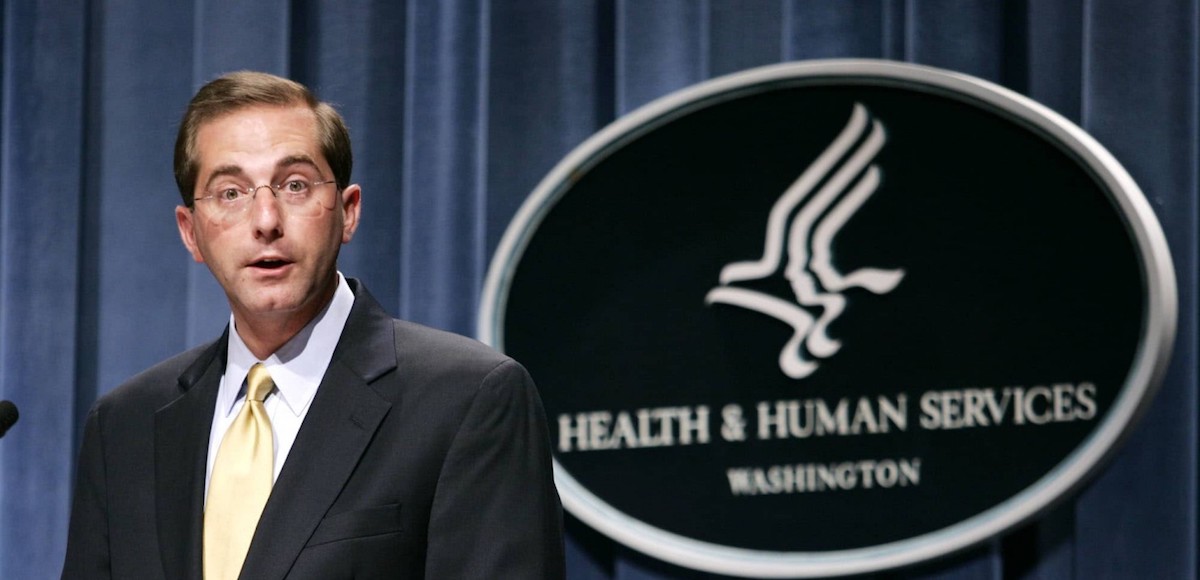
pixel 301 159
pixel 224 170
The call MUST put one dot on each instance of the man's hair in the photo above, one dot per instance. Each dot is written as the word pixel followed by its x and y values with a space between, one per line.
pixel 242 89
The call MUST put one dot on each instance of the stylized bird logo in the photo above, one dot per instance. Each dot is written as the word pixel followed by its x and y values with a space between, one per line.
pixel 815 220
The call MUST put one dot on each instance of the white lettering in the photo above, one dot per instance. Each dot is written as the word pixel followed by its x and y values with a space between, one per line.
pixel 568 431
pixel 1038 405
pixel 805 418
pixel 652 427
pixel 1086 393
pixel 817 477
pixel 1030 413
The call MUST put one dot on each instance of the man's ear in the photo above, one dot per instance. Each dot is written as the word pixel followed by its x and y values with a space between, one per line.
pixel 351 207
pixel 185 218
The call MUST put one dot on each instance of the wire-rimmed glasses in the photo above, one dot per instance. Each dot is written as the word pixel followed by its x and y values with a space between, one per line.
pixel 227 203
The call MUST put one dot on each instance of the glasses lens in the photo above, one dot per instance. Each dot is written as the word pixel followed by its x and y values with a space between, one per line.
pixel 302 198
pixel 224 205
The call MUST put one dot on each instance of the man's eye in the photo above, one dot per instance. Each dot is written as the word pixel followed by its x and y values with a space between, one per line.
pixel 229 194
pixel 296 186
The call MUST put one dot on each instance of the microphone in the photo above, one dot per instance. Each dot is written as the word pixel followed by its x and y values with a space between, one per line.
pixel 8 416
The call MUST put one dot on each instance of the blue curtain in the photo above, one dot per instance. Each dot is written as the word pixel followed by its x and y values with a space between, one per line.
pixel 458 108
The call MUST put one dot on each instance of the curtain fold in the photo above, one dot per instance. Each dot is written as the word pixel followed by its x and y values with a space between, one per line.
pixel 1140 84
pixel 41 150
pixel 457 110
pixel 443 174
pixel 661 47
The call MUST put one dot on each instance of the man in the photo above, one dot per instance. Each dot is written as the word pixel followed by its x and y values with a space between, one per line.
pixel 318 438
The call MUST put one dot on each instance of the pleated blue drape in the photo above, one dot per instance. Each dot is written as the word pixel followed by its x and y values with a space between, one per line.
pixel 457 109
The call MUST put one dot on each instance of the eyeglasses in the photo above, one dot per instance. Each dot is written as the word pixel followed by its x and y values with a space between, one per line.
pixel 227 204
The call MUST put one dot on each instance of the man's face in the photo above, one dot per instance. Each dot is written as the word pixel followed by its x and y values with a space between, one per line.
pixel 273 264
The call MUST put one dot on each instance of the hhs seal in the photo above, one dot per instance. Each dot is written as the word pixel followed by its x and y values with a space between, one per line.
pixel 832 317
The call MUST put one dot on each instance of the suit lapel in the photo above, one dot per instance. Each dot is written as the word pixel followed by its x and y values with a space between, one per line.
pixel 180 452
pixel 340 424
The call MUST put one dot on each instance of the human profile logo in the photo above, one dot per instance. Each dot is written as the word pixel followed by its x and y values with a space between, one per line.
pixel 804 224
pixel 832 317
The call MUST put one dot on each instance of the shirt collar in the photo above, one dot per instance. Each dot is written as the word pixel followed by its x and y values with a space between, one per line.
pixel 299 365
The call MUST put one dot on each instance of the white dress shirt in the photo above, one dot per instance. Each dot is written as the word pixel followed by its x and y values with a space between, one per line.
pixel 296 368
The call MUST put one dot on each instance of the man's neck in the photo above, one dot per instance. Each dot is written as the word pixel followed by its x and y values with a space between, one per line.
pixel 265 336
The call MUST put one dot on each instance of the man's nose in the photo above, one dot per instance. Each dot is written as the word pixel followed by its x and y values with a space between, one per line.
pixel 265 212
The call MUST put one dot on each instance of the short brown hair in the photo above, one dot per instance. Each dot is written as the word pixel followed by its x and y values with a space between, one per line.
pixel 244 89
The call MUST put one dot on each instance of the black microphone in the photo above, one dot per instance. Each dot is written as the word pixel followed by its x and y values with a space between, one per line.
pixel 8 416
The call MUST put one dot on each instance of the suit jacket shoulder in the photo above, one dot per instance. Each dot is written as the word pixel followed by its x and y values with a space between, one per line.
pixel 424 350
pixel 160 384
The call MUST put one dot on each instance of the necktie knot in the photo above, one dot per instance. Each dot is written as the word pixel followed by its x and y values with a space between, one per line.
pixel 258 383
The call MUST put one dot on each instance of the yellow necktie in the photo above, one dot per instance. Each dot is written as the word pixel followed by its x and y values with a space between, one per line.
pixel 240 482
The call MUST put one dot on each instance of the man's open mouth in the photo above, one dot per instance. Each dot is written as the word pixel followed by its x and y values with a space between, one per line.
pixel 270 264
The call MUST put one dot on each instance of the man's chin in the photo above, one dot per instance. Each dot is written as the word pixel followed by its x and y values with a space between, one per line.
pixel 271 302
pixel 267 307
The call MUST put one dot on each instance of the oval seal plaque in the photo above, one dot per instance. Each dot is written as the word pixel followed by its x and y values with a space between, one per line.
pixel 832 317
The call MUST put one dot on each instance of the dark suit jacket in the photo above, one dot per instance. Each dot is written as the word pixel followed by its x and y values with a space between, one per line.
pixel 424 455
